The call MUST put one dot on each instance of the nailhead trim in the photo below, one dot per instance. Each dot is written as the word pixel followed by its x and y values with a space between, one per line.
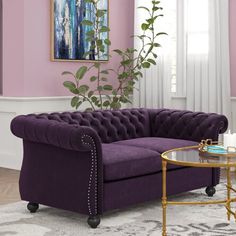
pixel 93 171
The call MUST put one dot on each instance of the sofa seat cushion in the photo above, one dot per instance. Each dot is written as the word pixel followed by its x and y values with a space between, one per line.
pixel 156 143
pixel 123 161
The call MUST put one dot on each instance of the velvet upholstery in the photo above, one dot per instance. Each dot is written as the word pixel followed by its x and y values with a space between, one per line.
pixel 131 191
pixel 121 162
pixel 110 126
pixel 186 125
pixel 124 161
pixel 81 161
pixel 157 144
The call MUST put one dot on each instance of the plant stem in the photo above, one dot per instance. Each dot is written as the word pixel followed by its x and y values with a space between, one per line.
pixel 98 53
pixel 89 100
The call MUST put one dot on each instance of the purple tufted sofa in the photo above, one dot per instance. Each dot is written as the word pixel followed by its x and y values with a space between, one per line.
pixel 93 162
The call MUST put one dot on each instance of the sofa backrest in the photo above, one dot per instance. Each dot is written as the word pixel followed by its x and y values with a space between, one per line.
pixel 188 125
pixel 111 126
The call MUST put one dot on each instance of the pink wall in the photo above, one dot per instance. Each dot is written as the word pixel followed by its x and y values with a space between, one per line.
pixel 13 47
pixel 27 69
pixel 233 46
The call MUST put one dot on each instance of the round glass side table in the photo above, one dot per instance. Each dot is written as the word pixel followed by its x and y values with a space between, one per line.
pixel 190 156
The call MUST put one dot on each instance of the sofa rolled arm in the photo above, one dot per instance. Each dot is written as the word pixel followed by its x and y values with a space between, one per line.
pixel 40 129
pixel 187 125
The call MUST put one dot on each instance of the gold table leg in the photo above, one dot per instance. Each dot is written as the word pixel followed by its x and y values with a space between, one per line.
pixel 229 186
pixel 164 198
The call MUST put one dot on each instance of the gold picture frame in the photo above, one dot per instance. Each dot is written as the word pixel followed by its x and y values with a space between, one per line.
pixel 73 54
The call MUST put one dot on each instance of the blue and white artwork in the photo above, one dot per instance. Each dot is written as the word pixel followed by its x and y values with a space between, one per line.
pixel 69 35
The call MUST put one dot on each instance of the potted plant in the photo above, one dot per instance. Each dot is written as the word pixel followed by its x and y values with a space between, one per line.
pixel 132 61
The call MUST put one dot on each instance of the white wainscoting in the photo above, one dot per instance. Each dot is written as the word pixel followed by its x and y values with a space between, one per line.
pixel 233 114
pixel 11 151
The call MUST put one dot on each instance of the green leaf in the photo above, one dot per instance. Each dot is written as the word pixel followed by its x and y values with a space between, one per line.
pixel 145 8
pixel 131 50
pixel 115 99
pixel 126 62
pixel 78 104
pixel 161 15
pixel 151 61
pixel 114 92
pixel 123 99
pixel 99 42
pixel 104 29
pixel 144 26
pixel 87 22
pixel 81 72
pixel 131 83
pixel 107 42
pixel 90 33
pixel 118 51
pixel 101 48
pixel 74 90
pixel 97 64
pixel 106 103
pixel 108 97
pixel 127 92
pixel 156 45
pixel 123 75
pixel 161 33
pixel 156 9
pixel 100 13
pixel 89 39
pixel 69 85
pixel 93 78
pixel 104 79
pixel 99 88
pixel 115 105
pixel 83 89
pixel 104 72
pixel 154 55
pixel 150 21
pixel 74 101
pixel 67 73
pixel 138 73
pixel 108 87
pixel 146 65
pixel 92 47
pixel 94 99
pixel 89 109
pixel 90 94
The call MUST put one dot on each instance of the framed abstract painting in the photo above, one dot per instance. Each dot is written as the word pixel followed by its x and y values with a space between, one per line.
pixel 68 36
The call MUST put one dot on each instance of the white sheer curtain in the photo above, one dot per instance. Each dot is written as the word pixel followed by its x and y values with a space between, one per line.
pixel 207 56
pixel 153 89
pixel 198 29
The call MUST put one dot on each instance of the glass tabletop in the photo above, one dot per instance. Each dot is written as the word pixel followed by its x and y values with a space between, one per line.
pixel 190 156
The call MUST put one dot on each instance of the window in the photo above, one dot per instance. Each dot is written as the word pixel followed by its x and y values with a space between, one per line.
pixel 197 27
pixel 188 31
